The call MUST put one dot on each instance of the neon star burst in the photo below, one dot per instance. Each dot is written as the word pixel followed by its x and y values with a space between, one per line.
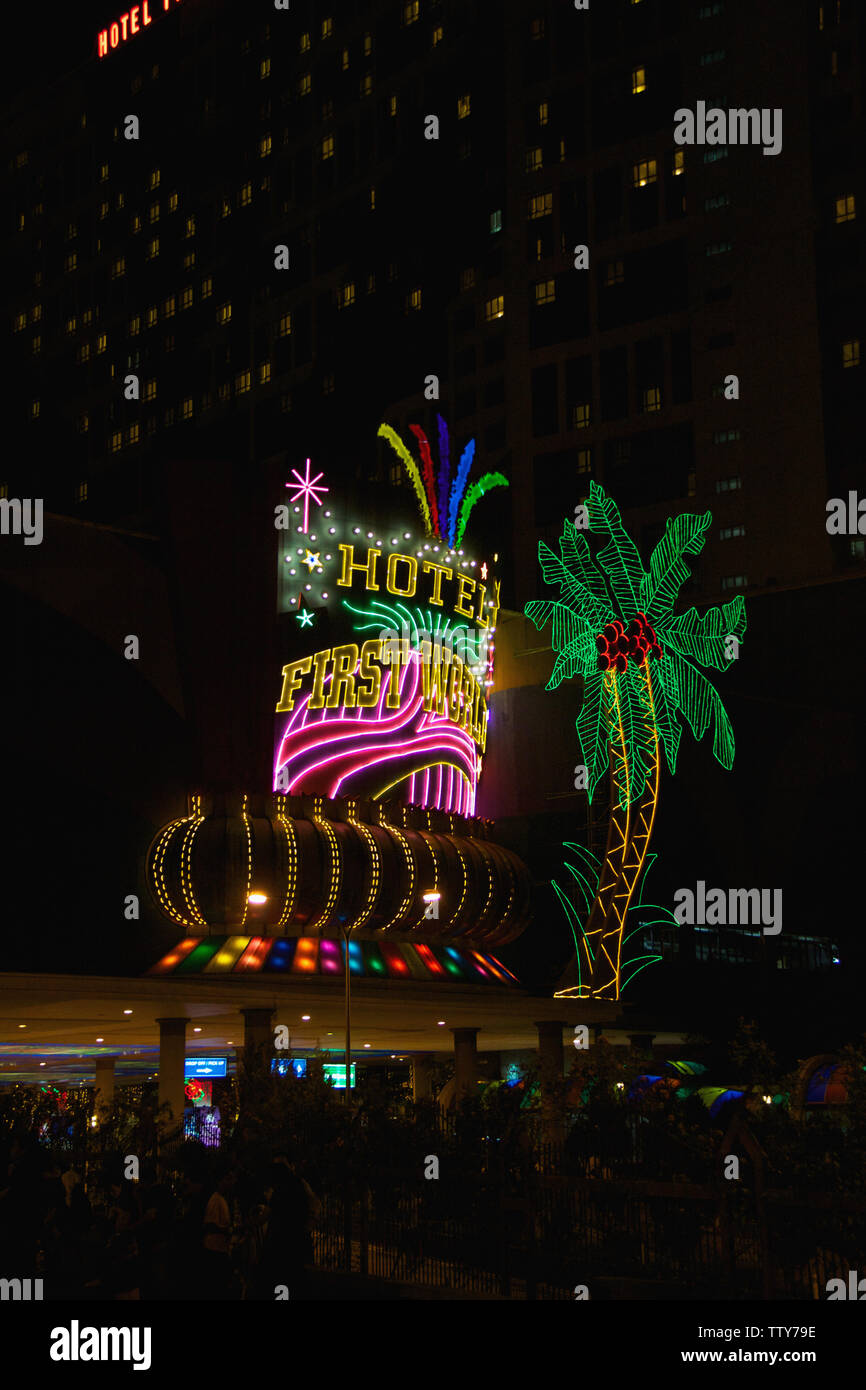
pixel 307 488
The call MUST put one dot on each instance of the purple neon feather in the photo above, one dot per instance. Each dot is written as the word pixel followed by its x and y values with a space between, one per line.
pixel 459 488
pixel 444 471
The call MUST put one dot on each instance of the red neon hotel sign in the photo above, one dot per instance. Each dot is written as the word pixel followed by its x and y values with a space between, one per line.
pixel 123 28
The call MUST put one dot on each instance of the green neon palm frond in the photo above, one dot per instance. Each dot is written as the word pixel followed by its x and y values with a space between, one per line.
pixel 684 535
pixel 593 731
pixel 568 626
pixel 577 658
pixel 639 733
pixel 393 438
pixel 701 705
pixel 619 559
pixel 577 558
pixel 475 493
pixel 703 639
pixel 664 709
pixel 577 595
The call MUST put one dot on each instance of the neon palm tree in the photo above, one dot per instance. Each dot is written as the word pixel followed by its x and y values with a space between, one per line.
pixel 444 509
pixel 614 627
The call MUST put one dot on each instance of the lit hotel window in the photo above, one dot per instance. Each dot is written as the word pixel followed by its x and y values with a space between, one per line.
pixel 371 284
pixel 856 549
pixel 728 533
pixel 207 286
pixel 845 208
pixel 638 80
pixel 189 226
pixel 152 249
pixel 20 322
pixel 392 106
pixel 327 28
pixel 580 416
pixel 679 166
pixel 543 112
pixel 368 45
pixel 584 460
pixel 153 212
pixel 346 295
pixel 644 172
pixel 717 201
pixel 711 156
pixel 189 260
pixel 734 581
pixel 82 354
pixel 150 389
pixel 186 408
pixel 716 56
pixel 135 224
pixel 372 199
pixel 103 173
pixel 154 178
pixel 225 208
pixel 411 11
pixel 70 262
pixel 366 86
pixel 496 222
pixel 135 325
pixel 729 484
pixel 186 297
pixel 265 68
pixel 718 248
pixel 133 433
pixel 413 299
pixel 614 273
pixel 168 307
pixel 245 196
pixel 467 278
pixel 36 314
pixel 651 400
pixel 34 410
pixel 305 83
pixel 328 147
pixel 851 353
pixel 118 267
pixel 305 43
pixel 344 60
pixel 152 316
pixel 438 35
pixel 545 292
pixel 172 202
pixel 265 146
pixel 541 206
pixel 36 345
pixel 464 107
pixel 102 211
pixel 494 308
pixel 115 441
pixel 81 492
pixel 101 342
pixel 285 325
pixel 224 391
pixel 725 436
pixel 534 160
pixel 224 312
pixel 83 423
pixel 264 373
pixel 120 200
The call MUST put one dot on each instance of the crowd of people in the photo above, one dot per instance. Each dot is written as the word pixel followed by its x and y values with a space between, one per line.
pixel 210 1229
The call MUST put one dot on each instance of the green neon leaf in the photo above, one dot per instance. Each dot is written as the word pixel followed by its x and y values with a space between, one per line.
pixel 639 733
pixel 568 626
pixel 593 731
pixel 663 709
pixel 578 658
pixel 703 639
pixel 577 558
pixel 683 535
pixel 701 705
pixel 574 592
pixel 619 559
pixel 475 493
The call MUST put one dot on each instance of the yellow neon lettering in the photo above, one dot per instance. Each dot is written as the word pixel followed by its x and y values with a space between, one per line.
pixel 292 674
pixel 465 585
pixel 454 685
pixel 350 564
pixel 391 581
pixel 481 617
pixel 438 571
pixel 320 661
pixel 345 661
pixel 366 697
pixel 433 668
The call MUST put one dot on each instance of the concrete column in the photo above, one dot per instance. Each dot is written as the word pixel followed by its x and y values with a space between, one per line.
pixel 550 1066
pixel 104 1089
pixel 465 1062
pixel 422 1076
pixel 172 1048
pixel 258 1037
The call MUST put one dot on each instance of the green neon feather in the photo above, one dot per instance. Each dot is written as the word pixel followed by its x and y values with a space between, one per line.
pixel 475 493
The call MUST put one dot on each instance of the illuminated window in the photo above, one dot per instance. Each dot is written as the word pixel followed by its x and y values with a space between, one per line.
pixel 224 312
pixel 36 314
pixel 186 408
pixel 133 433
pixel 644 172
pixel 735 581
pixel 265 68
pixel 851 353
pixel 718 248
pixel 371 284
pixel 71 261
pixel 712 156
pixel 543 113
pixel 651 399
pixel 246 194
pixel 541 205
pixel 82 354
pixel 101 342
pixel 372 199
pixel 638 80
pixel 726 436
pixel 35 407
pixel 467 278
pixel 730 533
pixel 464 107
pixel 366 86
pixel 584 460
pixel 265 146
pixel 71 231
pixel 346 295
pixel 545 292
pixel 150 389
pixel 152 249
pixel 152 316
pixel 189 260
pixel 614 273
pixel 717 55
pixel 118 267
pixel 305 83
pixel 534 160
pixel 305 43
pixel 135 224
pixel 328 147
pixel 103 173
pixel 189 226
pixel 36 345
pixel 83 423
pixel 172 202
pixel 494 308
pixel 115 441
pixel 225 208
pixel 154 178
pixel 20 322
pixel 81 492
pixel 845 208
pixel 392 105
pixel 411 11
pixel 679 164
pixel 168 307
pixel 438 35
pixel 153 212
pixel 729 484
pixel 344 60
pixel 413 300
pixel 206 286
pixel 135 326
pixel 496 221
pixel 102 211
pixel 285 325
pixel 21 221
pixel 716 202
pixel 368 45
pixel 264 373
pixel 186 297
pixel 580 416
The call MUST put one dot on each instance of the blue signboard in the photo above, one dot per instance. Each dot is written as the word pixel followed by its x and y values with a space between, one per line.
pixel 205 1066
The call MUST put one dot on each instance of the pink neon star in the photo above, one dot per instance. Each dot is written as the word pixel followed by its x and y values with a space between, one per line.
pixel 307 487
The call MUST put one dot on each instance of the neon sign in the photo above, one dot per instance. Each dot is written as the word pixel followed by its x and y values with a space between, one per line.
pixel 126 25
